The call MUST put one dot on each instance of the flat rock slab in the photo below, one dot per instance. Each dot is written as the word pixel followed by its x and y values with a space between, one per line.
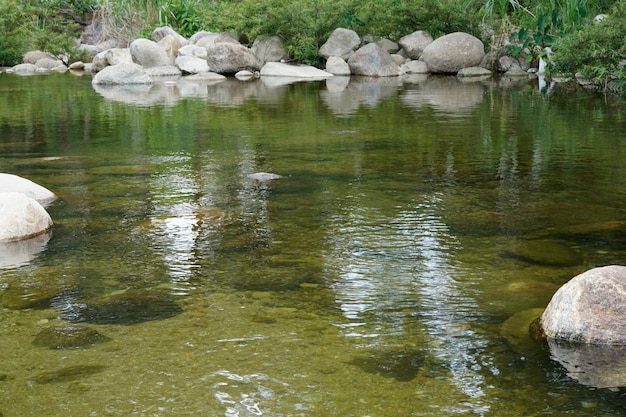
pixel 280 69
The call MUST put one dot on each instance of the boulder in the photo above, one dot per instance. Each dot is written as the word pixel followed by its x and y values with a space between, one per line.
pixel 68 337
pixel 371 60
pixel 148 54
pixel 414 67
pixel 122 74
pixel 164 71
pixel 129 307
pixel 14 183
pixel 473 72
pixel 279 69
pixel 508 63
pixel 191 64
pixel 337 66
pixel 270 49
pixel 23 69
pixel 192 50
pixel 414 44
pixel 589 309
pixel 48 63
pixel 111 56
pixel 387 45
pixel 162 32
pixel 342 43
pixel 207 39
pixel 450 53
pixel 229 58
pixel 170 44
pixel 21 217
pixel 31 57
pixel 196 36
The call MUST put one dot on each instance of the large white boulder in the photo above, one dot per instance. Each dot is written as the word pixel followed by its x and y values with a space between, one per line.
pixel 21 217
pixel 15 183
pixel 453 52
pixel 589 309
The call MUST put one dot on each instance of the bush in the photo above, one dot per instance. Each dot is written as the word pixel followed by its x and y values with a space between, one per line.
pixel 306 24
pixel 595 50
pixel 13 39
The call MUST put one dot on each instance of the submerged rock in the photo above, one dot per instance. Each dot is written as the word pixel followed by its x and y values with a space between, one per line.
pixel 36 290
pixel 263 176
pixel 69 373
pixel 402 365
pixel 129 307
pixel 69 336
pixel 544 252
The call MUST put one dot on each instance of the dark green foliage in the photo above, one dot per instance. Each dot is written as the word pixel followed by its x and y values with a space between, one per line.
pixel 13 40
pixel 305 25
pixel 595 50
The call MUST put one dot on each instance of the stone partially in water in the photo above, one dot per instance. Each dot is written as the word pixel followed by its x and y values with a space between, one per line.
pixel 64 337
pixel 129 307
pixel 590 308
pixel 402 365
pixel 69 373
pixel 516 330
pixel 544 252
pixel 264 176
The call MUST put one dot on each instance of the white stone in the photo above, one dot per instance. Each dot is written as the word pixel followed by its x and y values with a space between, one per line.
pixel 15 183
pixel 21 217
pixel 279 69
pixel 337 66
pixel 192 64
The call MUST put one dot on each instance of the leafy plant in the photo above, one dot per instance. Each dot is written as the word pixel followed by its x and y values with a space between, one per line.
pixel 595 50
pixel 535 40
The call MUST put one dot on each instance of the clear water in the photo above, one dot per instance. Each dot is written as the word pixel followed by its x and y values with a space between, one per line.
pixel 377 278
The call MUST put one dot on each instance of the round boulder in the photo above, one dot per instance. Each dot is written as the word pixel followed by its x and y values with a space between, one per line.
pixel 371 60
pixel 415 43
pixel 342 43
pixel 21 217
pixel 589 309
pixel 148 54
pixel 122 74
pixel 14 183
pixel 450 53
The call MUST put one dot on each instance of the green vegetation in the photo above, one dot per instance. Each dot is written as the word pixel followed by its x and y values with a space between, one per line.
pixel 520 26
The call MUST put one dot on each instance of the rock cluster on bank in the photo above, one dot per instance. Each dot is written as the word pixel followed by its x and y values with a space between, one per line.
pixel 168 53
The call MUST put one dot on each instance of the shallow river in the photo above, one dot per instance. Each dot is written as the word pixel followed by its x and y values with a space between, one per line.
pixel 418 227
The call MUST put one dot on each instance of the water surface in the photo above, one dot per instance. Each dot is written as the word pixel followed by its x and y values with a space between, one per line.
pixel 419 225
